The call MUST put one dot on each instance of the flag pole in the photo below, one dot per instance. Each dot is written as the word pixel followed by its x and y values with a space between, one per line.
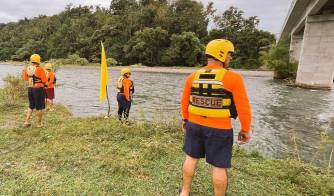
pixel 108 100
pixel 105 69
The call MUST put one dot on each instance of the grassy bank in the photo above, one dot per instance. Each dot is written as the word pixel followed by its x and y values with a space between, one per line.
pixel 102 156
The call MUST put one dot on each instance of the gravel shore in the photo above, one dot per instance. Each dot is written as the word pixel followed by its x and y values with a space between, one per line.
pixel 186 70
pixel 182 70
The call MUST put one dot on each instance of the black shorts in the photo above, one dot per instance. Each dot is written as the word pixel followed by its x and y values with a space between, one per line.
pixel 213 144
pixel 36 98
pixel 122 102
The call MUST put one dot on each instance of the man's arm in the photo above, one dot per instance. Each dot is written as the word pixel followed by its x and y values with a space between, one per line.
pixel 242 104
pixel 186 96
pixel 25 75
pixel 52 78
pixel 41 74
pixel 127 85
pixel 185 101
pixel 243 108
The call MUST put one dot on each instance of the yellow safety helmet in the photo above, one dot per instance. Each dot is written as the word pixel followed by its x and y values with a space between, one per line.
pixel 125 71
pixel 219 49
pixel 35 58
pixel 48 66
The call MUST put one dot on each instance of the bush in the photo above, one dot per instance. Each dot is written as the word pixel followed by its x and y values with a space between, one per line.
pixel 14 90
pixel 236 63
pixel 147 46
pixel 185 49
pixel 252 64
pixel 278 59
pixel 75 59
pixel 112 62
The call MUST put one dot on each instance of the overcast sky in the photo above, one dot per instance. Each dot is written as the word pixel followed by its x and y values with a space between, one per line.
pixel 271 12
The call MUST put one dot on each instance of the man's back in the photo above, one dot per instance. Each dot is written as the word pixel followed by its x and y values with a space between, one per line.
pixel 233 83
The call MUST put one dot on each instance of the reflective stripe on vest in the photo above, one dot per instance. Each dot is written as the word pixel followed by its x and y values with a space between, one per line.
pixel 208 97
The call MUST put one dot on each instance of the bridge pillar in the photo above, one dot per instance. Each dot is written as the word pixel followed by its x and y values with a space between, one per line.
pixel 316 62
pixel 296 47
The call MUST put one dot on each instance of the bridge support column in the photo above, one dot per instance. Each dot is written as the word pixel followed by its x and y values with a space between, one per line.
pixel 316 62
pixel 296 47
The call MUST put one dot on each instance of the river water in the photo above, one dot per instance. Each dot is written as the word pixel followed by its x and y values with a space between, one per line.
pixel 286 121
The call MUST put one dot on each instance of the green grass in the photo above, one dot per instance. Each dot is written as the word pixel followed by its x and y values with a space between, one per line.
pixel 102 156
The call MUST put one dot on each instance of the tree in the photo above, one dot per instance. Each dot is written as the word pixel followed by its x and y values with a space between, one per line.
pixel 243 32
pixel 188 16
pixel 278 58
pixel 147 46
pixel 185 50
pixel 120 7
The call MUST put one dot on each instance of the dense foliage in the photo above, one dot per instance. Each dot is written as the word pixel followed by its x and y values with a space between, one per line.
pixel 152 32
pixel 278 59
pixel 244 34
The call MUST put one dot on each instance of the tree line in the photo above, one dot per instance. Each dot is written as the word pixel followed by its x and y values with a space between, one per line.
pixel 151 32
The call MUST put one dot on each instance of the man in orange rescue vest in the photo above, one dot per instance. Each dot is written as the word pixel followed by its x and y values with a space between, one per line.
pixel 50 89
pixel 211 97
pixel 125 89
pixel 36 81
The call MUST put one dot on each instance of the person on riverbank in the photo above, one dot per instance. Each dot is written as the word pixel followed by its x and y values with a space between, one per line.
pixel 49 90
pixel 211 97
pixel 36 81
pixel 125 90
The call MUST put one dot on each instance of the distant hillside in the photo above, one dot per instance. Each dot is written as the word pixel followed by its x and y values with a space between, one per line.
pixel 152 32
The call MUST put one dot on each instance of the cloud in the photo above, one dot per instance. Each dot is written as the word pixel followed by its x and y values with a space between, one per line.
pixel 271 12
pixel 14 10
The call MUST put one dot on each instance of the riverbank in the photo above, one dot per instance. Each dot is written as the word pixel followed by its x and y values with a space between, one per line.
pixel 188 70
pixel 182 70
pixel 103 156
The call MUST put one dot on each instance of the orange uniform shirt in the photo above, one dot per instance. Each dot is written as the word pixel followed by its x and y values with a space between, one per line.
pixel 233 82
pixel 50 79
pixel 127 83
pixel 40 73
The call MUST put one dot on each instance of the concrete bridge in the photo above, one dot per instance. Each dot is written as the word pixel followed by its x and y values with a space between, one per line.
pixel 310 26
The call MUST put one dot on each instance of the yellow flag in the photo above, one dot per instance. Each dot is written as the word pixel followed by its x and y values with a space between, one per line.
pixel 104 75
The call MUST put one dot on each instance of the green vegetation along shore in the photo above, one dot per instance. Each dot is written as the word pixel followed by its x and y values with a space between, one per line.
pixel 103 156
pixel 151 32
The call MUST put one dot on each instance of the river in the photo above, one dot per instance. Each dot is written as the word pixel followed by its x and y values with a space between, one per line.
pixel 280 113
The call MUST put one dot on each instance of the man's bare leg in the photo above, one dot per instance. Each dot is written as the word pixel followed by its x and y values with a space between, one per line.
pixel 47 104
pixel 50 105
pixel 28 117
pixel 39 114
pixel 219 178
pixel 189 167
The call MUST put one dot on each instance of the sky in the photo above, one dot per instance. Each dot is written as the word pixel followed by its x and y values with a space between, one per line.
pixel 271 13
